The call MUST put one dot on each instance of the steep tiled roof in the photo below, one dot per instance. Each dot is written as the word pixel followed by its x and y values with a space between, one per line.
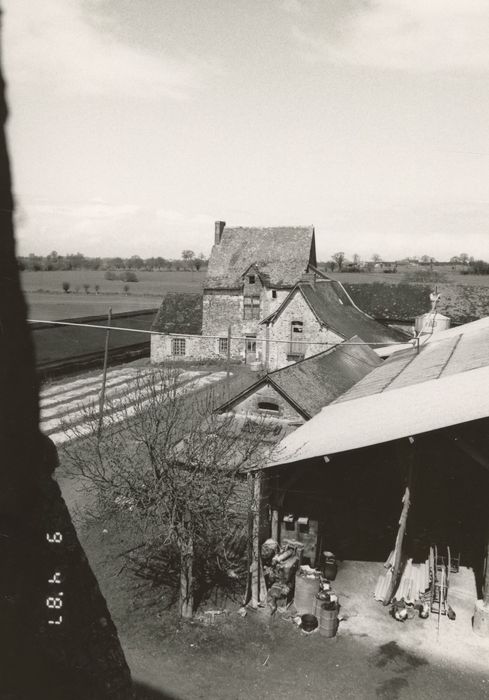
pixel 318 380
pixel 335 309
pixel 180 312
pixel 280 254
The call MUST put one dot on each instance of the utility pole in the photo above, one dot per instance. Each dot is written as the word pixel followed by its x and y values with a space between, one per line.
pixel 228 361
pixel 104 376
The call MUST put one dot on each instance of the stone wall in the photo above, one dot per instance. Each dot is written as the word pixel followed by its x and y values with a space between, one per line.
pixel 196 348
pixel 249 405
pixel 296 310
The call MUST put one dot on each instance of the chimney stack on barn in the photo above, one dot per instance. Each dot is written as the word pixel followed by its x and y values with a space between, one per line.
pixel 219 228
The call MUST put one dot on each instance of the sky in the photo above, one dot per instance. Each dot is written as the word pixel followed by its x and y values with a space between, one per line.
pixel 134 125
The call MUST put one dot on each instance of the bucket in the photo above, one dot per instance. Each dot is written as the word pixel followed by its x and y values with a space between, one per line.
pixel 328 621
pixel 309 622
pixel 306 590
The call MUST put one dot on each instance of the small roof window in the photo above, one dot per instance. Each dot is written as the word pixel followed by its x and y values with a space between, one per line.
pixel 251 279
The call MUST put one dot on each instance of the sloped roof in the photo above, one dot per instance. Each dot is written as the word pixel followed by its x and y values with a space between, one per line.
pixel 280 254
pixel 180 312
pixel 317 381
pixel 335 309
pixel 411 393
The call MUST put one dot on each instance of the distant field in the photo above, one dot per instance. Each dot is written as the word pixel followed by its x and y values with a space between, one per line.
pixel 47 301
pixel 451 277
pixel 52 307
pixel 149 282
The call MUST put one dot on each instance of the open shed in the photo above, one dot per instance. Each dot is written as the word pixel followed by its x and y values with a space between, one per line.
pixel 415 428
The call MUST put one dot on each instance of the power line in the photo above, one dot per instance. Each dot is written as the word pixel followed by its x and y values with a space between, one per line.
pixel 214 337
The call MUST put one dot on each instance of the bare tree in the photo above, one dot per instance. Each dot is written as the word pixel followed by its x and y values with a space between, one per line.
pixel 376 258
pixel 338 258
pixel 356 259
pixel 464 258
pixel 188 255
pixel 175 469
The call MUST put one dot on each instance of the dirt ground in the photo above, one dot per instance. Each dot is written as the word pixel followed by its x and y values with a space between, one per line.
pixel 256 656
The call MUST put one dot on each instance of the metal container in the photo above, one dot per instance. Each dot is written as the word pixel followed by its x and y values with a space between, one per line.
pixel 328 620
pixel 306 590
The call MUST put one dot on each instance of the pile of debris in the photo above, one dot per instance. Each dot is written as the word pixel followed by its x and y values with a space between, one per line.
pixel 309 589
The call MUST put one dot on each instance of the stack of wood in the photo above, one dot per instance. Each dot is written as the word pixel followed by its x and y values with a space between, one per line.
pixel 414 582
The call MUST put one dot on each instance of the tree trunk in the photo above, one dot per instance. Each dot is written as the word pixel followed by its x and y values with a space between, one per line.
pixel 186 579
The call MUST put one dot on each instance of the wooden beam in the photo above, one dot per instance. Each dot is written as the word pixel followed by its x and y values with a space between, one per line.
pixel 405 455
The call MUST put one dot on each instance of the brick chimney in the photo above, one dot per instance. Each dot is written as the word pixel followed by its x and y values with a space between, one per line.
pixel 219 228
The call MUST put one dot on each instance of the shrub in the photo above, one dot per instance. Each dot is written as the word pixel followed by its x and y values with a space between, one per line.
pixel 86 287
pixel 66 287
pixel 97 288
pixel 128 276
pixel 110 275
pixel 126 289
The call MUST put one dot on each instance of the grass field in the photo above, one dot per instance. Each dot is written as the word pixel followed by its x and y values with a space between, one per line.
pixel 157 282
pixel 47 301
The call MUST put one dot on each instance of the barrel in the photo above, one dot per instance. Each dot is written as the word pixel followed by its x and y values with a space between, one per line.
pixel 328 621
pixel 306 590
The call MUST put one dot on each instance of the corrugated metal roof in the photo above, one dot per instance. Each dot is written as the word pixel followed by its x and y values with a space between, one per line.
pixel 374 419
pixel 412 392
pixel 280 254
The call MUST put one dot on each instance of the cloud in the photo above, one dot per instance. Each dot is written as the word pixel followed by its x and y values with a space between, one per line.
pixel 403 35
pixel 292 7
pixel 98 227
pixel 50 44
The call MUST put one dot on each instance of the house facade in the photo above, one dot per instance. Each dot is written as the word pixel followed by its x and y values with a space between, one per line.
pixel 251 271
pixel 316 313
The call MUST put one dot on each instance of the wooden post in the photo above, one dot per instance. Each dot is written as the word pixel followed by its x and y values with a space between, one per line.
pixel 406 455
pixel 481 612
pixel 255 563
pixel 275 525
pixel 267 347
pixel 228 362
pixel 104 376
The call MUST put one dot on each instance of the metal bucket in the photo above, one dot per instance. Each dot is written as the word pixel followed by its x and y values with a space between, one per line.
pixel 328 621
pixel 306 590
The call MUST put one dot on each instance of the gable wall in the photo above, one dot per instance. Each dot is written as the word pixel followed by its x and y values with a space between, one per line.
pixel 296 310
pixel 249 405
pixel 226 307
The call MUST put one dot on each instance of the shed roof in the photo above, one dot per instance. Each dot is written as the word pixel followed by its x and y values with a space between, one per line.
pixel 334 308
pixel 316 381
pixel 280 254
pixel 180 312
pixel 409 394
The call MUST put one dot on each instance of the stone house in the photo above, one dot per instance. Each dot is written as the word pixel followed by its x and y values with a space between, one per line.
pixel 316 312
pixel 250 273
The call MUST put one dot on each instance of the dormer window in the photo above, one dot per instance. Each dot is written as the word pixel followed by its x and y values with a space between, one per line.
pixel 251 279
pixel 274 293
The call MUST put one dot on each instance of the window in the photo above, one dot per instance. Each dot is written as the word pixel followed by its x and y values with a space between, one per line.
pixel 251 307
pixel 178 346
pixel 250 346
pixel 268 406
pixel 274 293
pixel 296 348
pixel 251 279
pixel 223 346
